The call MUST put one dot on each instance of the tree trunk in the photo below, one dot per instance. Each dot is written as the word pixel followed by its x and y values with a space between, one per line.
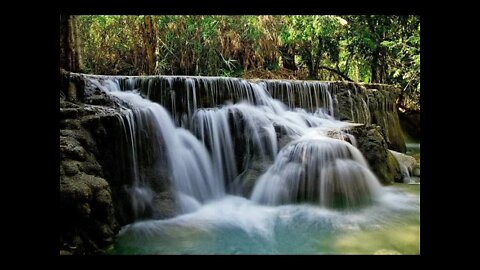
pixel 150 42
pixel 318 58
pixel 69 44
pixel 374 67
pixel 379 66
pixel 309 61
pixel 312 74
pixel 288 57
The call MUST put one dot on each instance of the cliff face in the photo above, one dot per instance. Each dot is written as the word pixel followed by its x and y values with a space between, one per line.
pixel 87 208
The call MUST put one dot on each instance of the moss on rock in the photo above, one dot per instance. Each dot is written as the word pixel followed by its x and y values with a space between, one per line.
pixel 88 223
pixel 375 149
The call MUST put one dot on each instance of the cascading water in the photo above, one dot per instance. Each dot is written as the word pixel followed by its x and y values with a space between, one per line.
pixel 311 160
pixel 192 175
pixel 326 171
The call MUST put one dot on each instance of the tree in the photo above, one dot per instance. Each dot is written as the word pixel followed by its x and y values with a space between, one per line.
pixel 150 41
pixel 69 44
pixel 404 60
pixel 390 47
pixel 363 48
pixel 316 40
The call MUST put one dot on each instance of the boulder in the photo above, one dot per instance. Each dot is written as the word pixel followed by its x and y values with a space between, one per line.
pixel 254 169
pixel 416 171
pixel 164 205
pixel 409 165
pixel 88 223
pixel 373 146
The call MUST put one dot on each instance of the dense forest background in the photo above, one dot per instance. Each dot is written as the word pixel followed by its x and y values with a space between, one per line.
pixel 360 48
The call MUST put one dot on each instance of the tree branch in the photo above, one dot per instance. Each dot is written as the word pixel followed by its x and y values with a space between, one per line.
pixel 336 72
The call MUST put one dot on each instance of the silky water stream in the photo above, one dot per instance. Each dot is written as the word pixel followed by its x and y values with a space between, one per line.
pixel 315 193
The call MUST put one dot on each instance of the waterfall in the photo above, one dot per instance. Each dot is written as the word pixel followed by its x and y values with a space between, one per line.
pixel 193 177
pixel 211 126
pixel 190 165
pixel 216 125
pixel 330 172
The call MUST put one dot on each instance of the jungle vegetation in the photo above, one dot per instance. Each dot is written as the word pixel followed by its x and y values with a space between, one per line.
pixel 360 48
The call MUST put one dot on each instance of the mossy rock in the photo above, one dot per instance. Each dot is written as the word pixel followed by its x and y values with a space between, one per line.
pixel 375 150
pixel 71 167
pixel 71 148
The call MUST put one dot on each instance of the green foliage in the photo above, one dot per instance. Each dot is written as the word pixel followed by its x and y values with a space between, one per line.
pixel 317 39
pixel 364 48
pixel 389 47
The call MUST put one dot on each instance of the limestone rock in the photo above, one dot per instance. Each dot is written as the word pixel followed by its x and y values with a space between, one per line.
pixel 94 175
pixel 416 171
pixel 408 161
pixel 375 149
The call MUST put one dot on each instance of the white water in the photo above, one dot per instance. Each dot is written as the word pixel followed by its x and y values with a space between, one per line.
pixel 327 171
pixel 235 225
pixel 318 166
pixel 192 175
pixel 202 172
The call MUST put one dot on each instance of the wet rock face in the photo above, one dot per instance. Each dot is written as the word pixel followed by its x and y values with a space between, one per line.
pixel 388 118
pixel 372 104
pixel 254 168
pixel 410 121
pixel 95 174
pixel 375 149
pixel 88 223
pixel 409 166
pixel 71 87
